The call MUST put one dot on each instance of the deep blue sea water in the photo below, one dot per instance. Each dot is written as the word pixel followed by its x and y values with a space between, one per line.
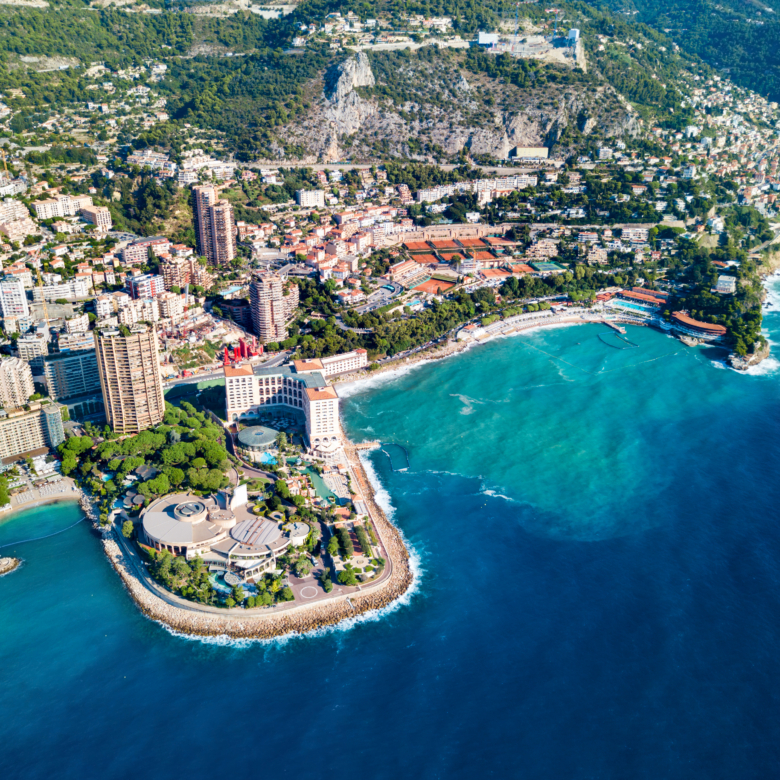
pixel 597 540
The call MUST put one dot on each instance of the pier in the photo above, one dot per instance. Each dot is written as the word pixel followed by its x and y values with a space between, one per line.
pixel 368 445
pixel 615 326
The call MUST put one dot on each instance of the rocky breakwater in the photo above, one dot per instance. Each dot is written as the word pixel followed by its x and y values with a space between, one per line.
pixel 7 565
pixel 266 623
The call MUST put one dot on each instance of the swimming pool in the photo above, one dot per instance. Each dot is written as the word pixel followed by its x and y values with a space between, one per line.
pixel 635 306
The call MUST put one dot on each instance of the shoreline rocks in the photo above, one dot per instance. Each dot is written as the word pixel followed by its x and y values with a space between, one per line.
pixel 268 623
pixel 7 565
pixel 753 359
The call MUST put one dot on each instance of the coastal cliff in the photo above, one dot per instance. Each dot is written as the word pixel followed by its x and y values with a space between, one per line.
pixel 374 107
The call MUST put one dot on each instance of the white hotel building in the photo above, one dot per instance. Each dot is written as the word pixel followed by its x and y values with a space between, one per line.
pixel 255 392
pixel 335 364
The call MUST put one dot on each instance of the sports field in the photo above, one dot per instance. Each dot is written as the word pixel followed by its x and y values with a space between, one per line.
pixel 432 285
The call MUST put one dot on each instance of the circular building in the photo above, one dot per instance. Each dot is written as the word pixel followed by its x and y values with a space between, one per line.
pixel 298 534
pixel 185 524
pixel 254 441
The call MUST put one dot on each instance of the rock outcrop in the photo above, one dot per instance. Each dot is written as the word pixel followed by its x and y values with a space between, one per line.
pixel 446 109
pixel 7 565
pixel 753 359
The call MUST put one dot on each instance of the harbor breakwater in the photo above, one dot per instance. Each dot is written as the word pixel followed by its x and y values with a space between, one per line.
pixel 269 623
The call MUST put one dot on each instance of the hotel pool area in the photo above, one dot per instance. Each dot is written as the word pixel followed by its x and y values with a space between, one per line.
pixel 217 579
pixel 647 311
pixel 267 459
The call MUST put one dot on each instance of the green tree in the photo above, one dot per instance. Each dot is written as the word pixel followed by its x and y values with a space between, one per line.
pixel 127 529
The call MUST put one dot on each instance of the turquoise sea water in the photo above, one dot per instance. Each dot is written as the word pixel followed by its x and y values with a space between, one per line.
pixel 595 531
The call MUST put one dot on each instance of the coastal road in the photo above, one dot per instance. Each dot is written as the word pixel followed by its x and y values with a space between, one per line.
pixel 219 373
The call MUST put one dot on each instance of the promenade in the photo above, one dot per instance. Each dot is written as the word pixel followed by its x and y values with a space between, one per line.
pixel 299 617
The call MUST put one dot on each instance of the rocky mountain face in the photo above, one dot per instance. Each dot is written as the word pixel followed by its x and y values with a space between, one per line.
pixel 432 110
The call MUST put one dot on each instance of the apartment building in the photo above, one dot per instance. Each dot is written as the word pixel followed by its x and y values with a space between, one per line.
pixel 273 303
pixel 128 365
pixel 144 286
pixel 61 206
pixel 171 305
pixel 13 299
pixel 23 433
pixel 16 382
pixel 310 199
pixel 32 347
pixel 137 253
pixel 214 225
pixel 70 290
pixel 70 374
pixel 181 271
pixel 99 216
pixel 75 341
pixel 78 324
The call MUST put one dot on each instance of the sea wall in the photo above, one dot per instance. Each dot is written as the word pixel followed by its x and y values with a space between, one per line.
pixel 267 623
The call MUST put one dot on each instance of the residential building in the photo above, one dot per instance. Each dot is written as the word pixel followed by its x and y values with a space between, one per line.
pixel 726 285
pixel 70 374
pixel 16 382
pixel 99 216
pixel 214 225
pixel 70 290
pixel 25 433
pixel 171 305
pixel 310 199
pixel 32 347
pixel 61 206
pixel 128 364
pixel 181 271
pixel 273 305
pixel 144 286
pixel 78 324
pixel 75 341
pixel 137 253
pixel 13 299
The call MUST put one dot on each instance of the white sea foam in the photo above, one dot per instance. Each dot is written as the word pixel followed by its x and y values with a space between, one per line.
pixel 468 403
pixel 496 494
pixel 764 368
pixel 359 386
pixel 347 624
pixel 381 496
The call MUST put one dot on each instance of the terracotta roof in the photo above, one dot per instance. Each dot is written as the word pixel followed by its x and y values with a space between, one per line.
pixel 321 393
pixel 707 327
pixel 238 371
pixel 308 365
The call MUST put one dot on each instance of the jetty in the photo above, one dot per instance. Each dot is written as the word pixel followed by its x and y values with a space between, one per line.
pixel 368 445
pixel 615 326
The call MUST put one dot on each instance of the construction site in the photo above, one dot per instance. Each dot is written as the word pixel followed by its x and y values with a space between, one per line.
pixel 520 38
